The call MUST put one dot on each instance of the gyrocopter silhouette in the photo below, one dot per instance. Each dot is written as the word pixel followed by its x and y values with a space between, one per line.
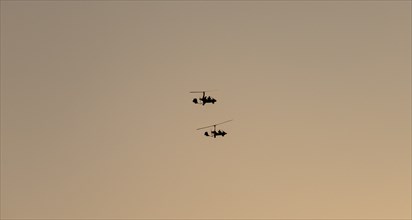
pixel 204 99
pixel 214 133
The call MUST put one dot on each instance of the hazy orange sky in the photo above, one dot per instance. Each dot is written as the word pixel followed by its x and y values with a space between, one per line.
pixel 97 120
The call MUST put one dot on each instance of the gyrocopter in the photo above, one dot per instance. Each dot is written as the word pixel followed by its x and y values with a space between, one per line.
pixel 214 133
pixel 204 99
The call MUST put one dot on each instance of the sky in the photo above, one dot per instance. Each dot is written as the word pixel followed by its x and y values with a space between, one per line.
pixel 97 120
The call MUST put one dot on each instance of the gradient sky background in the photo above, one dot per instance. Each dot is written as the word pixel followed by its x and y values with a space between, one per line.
pixel 97 120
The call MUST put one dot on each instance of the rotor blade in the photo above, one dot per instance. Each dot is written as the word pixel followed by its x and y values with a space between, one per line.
pixel 224 122
pixel 215 124
pixel 205 127
pixel 203 91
